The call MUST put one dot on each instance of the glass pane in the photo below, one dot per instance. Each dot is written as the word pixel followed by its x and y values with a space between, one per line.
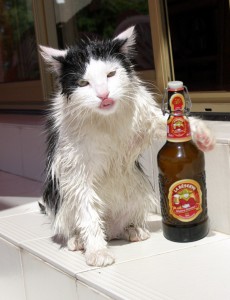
pixel 200 36
pixel 105 18
pixel 18 49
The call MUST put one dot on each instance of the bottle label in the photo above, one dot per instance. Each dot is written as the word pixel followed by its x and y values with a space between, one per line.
pixel 178 129
pixel 185 200
pixel 177 102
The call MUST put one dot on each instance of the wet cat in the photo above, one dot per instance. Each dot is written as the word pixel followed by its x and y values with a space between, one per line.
pixel 100 121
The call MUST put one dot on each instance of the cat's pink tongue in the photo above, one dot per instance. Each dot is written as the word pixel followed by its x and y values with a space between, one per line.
pixel 106 103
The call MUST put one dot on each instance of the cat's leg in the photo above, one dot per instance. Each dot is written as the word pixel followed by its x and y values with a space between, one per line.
pixel 91 231
pixel 79 217
pixel 99 256
pixel 94 245
pixel 201 134
pixel 78 220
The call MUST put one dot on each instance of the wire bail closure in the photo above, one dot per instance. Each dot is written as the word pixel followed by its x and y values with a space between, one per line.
pixel 188 102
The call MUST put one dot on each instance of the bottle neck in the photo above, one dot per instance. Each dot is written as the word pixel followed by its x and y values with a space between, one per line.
pixel 176 100
pixel 178 128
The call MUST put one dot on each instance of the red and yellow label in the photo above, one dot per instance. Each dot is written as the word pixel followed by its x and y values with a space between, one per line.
pixel 177 102
pixel 178 129
pixel 185 200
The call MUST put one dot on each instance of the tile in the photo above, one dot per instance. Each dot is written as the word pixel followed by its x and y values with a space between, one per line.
pixel 10 153
pixel 13 206
pixel 11 275
pixel 24 227
pixel 33 152
pixel 199 273
pixel 13 185
pixel 43 282
pixel 156 244
pixel 88 293
pixel 61 258
pixel 218 187
pixel 74 262
pixel 23 148
pixel 221 129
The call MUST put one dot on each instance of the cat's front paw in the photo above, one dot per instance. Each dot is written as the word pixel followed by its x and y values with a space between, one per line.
pixel 203 137
pixel 99 258
pixel 205 141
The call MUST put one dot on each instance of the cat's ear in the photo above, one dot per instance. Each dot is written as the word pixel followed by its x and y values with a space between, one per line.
pixel 128 36
pixel 53 57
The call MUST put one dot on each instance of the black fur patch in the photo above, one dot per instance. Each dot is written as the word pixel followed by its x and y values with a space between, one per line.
pixel 74 64
pixel 51 195
pixel 139 167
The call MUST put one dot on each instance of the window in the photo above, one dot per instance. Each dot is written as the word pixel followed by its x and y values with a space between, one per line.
pixel 19 68
pixel 200 50
pixel 183 40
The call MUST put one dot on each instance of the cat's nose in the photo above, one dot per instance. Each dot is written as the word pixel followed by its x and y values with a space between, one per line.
pixel 103 95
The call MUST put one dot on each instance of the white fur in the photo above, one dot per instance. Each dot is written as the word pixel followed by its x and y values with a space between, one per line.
pixel 49 53
pixel 96 75
pixel 103 195
pixel 102 192
pixel 128 34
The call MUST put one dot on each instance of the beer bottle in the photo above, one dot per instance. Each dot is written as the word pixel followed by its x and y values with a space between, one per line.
pixel 181 173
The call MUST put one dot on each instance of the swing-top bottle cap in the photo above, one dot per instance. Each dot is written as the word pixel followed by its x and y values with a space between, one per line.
pixel 175 85
pixel 178 100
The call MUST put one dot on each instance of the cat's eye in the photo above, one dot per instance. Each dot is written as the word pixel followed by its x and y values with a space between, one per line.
pixel 82 82
pixel 111 74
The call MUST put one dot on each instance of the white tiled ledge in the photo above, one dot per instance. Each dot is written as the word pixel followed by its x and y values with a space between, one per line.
pixel 32 267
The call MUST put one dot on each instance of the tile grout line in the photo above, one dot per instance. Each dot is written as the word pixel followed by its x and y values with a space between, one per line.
pixel 157 254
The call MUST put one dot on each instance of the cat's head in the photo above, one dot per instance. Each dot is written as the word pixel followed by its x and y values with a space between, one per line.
pixel 95 75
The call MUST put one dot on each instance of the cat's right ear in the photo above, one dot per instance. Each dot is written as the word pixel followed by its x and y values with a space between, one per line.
pixel 53 57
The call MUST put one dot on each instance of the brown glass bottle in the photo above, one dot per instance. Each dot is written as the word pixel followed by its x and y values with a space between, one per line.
pixel 182 178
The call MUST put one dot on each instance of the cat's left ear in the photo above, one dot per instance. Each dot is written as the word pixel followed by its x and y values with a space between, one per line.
pixel 128 37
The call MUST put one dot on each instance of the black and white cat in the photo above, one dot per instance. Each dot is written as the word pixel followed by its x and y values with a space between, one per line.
pixel 101 120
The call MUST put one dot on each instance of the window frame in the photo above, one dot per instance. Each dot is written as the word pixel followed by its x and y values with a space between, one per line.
pixel 203 101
